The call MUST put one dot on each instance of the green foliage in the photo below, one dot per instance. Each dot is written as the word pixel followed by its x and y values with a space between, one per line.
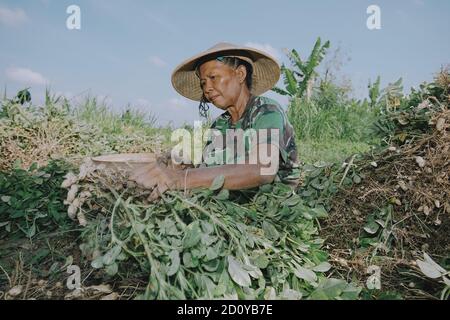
pixel 254 244
pixel 401 119
pixel 57 128
pixel 296 80
pixel 31 200
pixel 329 125
pixel 331 118
pixel 329 150
pixel 94 112
pixel 374 92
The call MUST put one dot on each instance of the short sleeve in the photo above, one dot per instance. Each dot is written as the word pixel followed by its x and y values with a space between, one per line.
pixel 270 125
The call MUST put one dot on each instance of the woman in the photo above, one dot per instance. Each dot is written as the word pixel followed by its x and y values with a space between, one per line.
pixel 232 78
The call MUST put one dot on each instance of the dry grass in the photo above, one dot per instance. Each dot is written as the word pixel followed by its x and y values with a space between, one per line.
pixel 419 194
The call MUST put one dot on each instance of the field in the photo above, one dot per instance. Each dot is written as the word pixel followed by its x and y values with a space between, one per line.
pixel 370 220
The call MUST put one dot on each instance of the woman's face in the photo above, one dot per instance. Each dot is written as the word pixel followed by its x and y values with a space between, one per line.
pixel 221 84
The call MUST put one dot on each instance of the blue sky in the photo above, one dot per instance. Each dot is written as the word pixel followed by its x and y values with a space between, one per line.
pixel 126 50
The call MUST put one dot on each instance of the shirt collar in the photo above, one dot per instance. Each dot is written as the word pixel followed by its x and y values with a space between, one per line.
pixel 248 106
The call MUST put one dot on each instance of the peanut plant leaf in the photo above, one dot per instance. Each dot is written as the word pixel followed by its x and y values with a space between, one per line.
pixel 270 231
pixel 174 256
pixel 428 269
pixel 237 273
pixel 323 267
pixel 112 269
pixel 111 255
pixel 305 274
pixel 217 183
pixel 192 236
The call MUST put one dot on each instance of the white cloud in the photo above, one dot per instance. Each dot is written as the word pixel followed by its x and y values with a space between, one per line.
pixel 12 17
pixel 26 76
pixel 157 61
pixel 266 48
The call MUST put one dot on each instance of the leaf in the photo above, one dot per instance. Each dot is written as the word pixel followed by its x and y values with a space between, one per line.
pixel 328 289
pixel 371 227
pixel 111 255
pixel 320 212
pixel 290 294
pixel 350 292
pixel 112 269
pixel 261 261
pixel 323 267
pixel 207 227
pixel 270 231
pixel 140 227
pixel 2 224
pixel 68 262
pixel 97 263
pixel 429 269
pixel 431 261
pixel 32 231
pixel 237 273
pixel 189 261
pixel 289 81
pixel 270 294
pixel 192 236
pixel 316 184
pixel 211 254
pixel 292 201
pixel 217 183
pixel 224 194
pixel 18 214
pixel 305 274
pixel 174 256
pixel 212 265
pixel 280 91
pixel 446 281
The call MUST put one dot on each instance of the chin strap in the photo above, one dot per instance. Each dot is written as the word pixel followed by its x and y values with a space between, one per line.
pixel 203 107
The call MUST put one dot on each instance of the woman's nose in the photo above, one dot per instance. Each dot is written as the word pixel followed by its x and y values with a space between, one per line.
pixel 207 87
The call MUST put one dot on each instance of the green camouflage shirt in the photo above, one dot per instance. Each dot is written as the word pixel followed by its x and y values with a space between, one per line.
pixel 260 113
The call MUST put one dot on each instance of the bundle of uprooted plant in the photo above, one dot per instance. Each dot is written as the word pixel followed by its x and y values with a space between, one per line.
pixel 261 244
pixel 399 204
pixel 57 130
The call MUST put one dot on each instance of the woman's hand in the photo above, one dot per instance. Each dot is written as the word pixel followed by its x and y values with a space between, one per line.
pixel 157 177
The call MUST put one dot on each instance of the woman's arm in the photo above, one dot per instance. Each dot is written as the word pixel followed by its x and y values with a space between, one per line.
pixel 237 176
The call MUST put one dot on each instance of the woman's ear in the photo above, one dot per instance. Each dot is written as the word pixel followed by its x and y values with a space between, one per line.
pixel 241 72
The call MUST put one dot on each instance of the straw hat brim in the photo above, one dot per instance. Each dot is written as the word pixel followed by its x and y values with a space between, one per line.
pixel 266 70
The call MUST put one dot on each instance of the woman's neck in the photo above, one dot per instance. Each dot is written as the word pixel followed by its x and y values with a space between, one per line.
pixel 237 110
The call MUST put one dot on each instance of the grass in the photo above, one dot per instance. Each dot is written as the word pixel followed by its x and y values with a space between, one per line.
pixel 331 127
pixel 329 150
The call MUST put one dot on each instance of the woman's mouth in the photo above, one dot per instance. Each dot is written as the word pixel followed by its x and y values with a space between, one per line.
pixel 212 98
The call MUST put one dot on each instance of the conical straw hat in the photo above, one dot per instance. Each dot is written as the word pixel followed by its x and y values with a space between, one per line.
pixel 266 70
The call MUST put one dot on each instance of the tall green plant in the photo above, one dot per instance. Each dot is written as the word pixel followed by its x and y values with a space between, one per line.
pixel 298 79
pixel 374 92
